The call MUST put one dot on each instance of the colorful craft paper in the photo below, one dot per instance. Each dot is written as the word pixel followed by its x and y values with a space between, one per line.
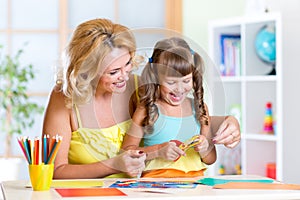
pixel 76 183
pixel 257 186
pixel 84 192
pixel 215 181
pixel 153 184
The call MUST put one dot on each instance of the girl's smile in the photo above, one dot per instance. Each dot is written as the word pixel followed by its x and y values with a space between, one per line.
pixel 175 89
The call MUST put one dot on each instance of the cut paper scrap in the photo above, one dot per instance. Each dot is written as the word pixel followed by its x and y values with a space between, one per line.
pixel 84 192
pixel 76 183
pixel 153 184
pixel 253 185
pixel 215 181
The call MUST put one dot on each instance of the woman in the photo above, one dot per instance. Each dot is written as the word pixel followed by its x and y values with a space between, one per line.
pixel 89 107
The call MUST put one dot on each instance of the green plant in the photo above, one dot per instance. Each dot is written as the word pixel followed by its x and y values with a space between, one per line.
pixel 17 111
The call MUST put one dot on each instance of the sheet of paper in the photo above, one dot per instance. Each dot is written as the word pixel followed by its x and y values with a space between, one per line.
pixel 256 186
pixel 76 183
pixel 215 181
pixel 153 184
pixel 84 192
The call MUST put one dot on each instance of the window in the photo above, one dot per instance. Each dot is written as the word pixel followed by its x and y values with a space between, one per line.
pixel 47 25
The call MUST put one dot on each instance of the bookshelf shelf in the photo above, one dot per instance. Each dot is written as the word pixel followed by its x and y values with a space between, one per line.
pixel 245 94
pixel 260 136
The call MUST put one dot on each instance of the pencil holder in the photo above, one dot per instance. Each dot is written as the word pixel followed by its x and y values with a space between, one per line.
pixel 41 176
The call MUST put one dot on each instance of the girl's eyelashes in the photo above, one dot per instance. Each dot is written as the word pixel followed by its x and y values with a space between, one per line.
pixel 187 80
pixel 171 82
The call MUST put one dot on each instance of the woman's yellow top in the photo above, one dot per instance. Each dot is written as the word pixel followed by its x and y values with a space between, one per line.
pixel 93 145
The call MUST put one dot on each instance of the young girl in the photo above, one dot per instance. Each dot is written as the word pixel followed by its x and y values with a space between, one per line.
pixel 167 114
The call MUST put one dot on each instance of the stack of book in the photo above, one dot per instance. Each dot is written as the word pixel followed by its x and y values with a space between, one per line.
pixel 230 64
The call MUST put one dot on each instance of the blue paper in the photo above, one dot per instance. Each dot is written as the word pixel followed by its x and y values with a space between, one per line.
pixel 215 181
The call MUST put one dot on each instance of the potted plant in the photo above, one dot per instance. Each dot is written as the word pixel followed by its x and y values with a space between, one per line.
pixel 17 111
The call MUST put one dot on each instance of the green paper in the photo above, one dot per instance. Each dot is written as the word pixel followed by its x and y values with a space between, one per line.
pixel 215 181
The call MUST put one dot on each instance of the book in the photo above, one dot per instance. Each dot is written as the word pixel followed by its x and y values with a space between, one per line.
pixel 230 61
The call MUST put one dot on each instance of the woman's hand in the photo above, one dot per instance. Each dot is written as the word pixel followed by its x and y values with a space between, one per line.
pixel 228 133
pixel 132 162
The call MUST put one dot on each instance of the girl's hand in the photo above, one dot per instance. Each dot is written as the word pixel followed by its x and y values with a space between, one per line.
pixel 203 147
pixel 229 133
pixel 132 162
pixel 170 151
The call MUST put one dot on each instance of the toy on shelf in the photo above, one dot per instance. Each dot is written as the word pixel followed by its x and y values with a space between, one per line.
pixel 238 169
pixel 221 170
pixel 229 160
pixel 271 170
pixel 268 120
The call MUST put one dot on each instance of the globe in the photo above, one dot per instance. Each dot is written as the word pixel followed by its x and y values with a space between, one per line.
pixel 265 44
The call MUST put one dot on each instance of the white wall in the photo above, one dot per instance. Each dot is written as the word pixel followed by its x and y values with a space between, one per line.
pixel 197 13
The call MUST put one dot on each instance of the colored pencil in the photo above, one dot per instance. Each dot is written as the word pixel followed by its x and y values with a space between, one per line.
pixel 22 145
pixel 28 149
pixel 54 150
pixel 45 149
pixel 39 150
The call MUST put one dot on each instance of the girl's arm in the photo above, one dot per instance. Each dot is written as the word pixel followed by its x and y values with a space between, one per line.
pixel 132 140
pixel 206 150
pixel 59 120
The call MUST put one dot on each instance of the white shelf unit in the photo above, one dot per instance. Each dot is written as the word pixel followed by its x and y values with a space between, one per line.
pixel 251 89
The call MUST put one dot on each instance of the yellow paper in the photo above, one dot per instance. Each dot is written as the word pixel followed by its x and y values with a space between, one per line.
pixel 76 183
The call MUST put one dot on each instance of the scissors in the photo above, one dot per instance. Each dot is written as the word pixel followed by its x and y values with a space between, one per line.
pixel 193 141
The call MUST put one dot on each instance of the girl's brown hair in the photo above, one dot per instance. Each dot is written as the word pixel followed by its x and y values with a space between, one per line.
pixel 171 57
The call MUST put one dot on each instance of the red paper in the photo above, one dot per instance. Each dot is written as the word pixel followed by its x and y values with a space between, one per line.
pixel 84 192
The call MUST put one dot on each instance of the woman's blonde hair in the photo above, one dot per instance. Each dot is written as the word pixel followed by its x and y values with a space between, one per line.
pixel 90 43
pixel 171 57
